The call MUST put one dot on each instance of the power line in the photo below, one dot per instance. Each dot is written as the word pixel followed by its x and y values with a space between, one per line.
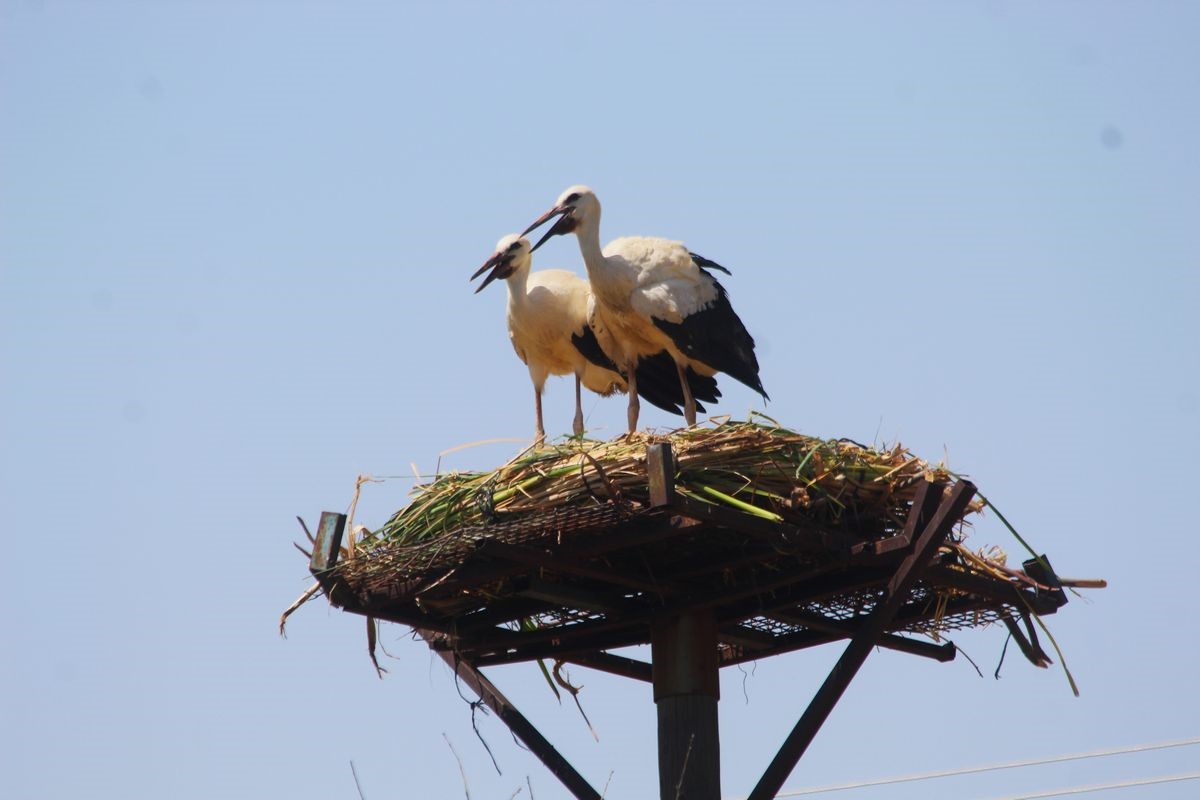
pixel 1099 787
pixel 924 776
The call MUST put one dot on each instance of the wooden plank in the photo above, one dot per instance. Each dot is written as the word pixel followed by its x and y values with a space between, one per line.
pixel 933 533
pixel 487 620
pixel 994 589
pixel 750 595
pixel 521 727
pixel 691 569
pixel 748 638
pixel 611 639
pixel 406 614
pixel 925 504
pixel 635 532
pixel 1031 649
pixel 571 596
pixel 554 562
pixel 329 542
pixel 938 652
pixel 613 664
pixel 660 474
pixel 326 551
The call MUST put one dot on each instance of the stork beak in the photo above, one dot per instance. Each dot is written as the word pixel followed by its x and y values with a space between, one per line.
pixel 565 224
pixel 500 265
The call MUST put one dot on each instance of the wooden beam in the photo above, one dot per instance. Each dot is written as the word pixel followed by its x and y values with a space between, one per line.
pixel 748 638
pixel 635 532
pixel 924 504
pixel 612 636
pixel 326 551
pixel 329 542
pixel 552 562
pixel 571 596
pixel 486 621
pixel 612 664
pixel 521 727
pixel 933 533
pixel 847 628
pixel 993 589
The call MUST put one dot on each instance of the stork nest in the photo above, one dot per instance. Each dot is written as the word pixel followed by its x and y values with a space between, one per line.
pixel 755 466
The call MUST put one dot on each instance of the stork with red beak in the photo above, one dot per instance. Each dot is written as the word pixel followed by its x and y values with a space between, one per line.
pixel 652 295
pixel 548 328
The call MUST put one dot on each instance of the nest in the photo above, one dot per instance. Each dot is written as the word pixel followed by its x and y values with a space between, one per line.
pixel 563 549
pixel 757 467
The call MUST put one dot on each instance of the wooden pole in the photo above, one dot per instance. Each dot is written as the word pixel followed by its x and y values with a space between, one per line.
pixel 686 690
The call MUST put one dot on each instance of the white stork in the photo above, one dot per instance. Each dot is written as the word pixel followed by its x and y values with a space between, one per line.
pixel 652 295
pixel 547 324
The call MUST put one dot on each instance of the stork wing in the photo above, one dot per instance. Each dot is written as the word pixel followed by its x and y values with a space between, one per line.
pixel 589 346
pixel 706 264
pixel 715 336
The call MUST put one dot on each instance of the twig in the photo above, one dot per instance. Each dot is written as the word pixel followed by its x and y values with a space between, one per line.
pixel 1003 651
pixel 529 783
pixel 357 785
pixel 745 677
pixel 968 658
pixel 606 783
pixel 304 598
pixel 574 692
pixel 463 772
pixel 372 640
pixel 475 706
pixel 683 769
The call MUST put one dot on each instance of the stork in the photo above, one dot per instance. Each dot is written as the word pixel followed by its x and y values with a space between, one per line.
pixel 547 324
pixel 651 295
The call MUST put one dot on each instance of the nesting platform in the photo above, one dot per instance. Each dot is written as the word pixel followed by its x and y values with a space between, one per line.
pixel 706 585
pixel 592 580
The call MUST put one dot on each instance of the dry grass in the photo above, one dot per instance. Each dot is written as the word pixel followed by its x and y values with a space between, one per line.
pixel 755 466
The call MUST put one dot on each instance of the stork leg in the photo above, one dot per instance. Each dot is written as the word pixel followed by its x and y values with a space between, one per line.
pixel 577 427
pixel 689 402
pixel 634 405
pixel 540 433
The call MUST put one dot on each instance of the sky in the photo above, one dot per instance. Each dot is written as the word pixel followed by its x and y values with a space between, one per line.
pixel 235 242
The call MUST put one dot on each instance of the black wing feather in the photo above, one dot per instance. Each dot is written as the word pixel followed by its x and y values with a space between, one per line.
pixel 705 263
pixel 715 336
pixel 658 382
pixel 589 346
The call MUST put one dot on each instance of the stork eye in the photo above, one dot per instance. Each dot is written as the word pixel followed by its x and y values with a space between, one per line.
pixel 572 197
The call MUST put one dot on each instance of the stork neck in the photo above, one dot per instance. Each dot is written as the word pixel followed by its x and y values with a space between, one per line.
pixel 588 234
pixel 517 286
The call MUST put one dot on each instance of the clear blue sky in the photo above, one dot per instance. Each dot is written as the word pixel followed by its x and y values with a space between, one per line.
pixel 234 248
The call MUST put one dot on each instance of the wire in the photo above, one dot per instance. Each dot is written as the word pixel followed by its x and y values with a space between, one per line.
pixel 924 776
pixel 1099 787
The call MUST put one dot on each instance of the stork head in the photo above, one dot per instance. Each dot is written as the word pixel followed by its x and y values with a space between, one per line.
pixel 512 254
pixel 575 206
